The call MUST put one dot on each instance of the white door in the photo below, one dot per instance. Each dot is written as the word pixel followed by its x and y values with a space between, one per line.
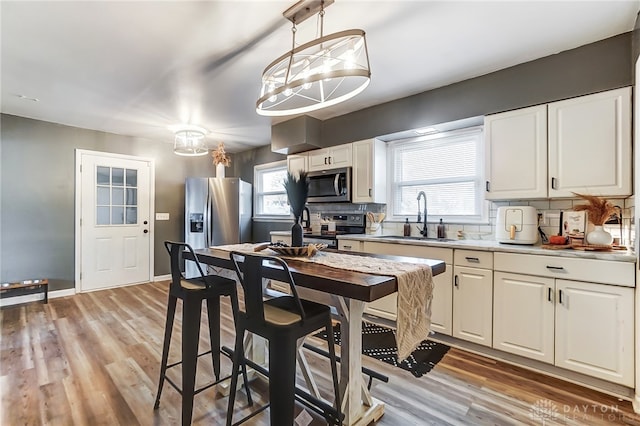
pixel 594 330
pixel 473 304
pixel 516 154
pixel 523 315
pixel 590 144
pixel 115 220
pixel 442 304
pixel 363 172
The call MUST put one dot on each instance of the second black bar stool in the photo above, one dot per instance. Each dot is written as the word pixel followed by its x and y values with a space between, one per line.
pixel 282 321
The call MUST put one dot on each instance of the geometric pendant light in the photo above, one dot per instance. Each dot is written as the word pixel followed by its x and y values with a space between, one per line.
pixel 317 74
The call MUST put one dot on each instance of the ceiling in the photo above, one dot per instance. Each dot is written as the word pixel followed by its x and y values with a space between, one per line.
pixel 138 67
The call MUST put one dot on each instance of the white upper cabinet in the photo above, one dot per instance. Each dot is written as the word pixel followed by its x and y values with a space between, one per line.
pixel 369 171
pixel 516 154
pixel 334 157
pixel 579 145
pixel 590 144
pixel 296 162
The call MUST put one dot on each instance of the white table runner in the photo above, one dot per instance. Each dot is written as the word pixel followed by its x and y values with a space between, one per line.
pixel 415 289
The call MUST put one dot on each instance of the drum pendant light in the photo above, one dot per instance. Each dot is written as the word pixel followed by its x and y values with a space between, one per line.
pixel 189 141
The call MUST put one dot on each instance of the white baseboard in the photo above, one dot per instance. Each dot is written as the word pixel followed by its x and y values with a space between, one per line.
pixel 36 297
pixel 9 301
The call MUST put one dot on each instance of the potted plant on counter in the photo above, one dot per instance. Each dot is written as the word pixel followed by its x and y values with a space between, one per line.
pixel 598 212
pixel 297 187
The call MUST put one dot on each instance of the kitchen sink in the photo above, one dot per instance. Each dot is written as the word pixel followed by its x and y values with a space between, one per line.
pixel 402 237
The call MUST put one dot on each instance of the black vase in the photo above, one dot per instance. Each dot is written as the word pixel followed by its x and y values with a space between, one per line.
pixel 296 233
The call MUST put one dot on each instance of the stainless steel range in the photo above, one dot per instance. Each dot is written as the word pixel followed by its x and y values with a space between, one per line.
pixel 346 223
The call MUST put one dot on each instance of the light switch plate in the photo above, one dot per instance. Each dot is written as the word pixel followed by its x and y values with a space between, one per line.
pixel 162 216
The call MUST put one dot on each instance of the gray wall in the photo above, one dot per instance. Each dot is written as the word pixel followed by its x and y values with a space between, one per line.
pixel 592 68
pixel 37 180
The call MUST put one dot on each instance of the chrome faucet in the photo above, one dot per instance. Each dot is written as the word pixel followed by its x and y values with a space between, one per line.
pixel 423 231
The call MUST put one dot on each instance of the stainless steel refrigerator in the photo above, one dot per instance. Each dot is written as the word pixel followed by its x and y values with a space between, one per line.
pixel 217 212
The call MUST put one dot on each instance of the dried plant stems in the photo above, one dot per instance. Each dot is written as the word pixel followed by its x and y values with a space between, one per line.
pixel 598 209
pixel 297 188
pixel 220 156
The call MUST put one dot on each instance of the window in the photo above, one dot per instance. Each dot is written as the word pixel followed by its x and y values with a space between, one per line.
pixel 269 196
pixel 116 196
pixel 447 167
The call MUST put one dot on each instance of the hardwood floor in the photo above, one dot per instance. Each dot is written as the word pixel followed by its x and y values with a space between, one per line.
pixel 93 359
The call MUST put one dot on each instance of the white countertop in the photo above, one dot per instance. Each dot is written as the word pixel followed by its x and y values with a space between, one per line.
pixel 493 246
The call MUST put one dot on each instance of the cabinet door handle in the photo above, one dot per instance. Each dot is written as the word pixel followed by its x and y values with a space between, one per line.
pixel 472 259
pixel 487 187
pixel 347 247
pixel 329 159
pixel 369 192
pixel 325 160
pixel 455 281
pixel 549 295
pixel 553 183
pixel 555 268
pixel 560 296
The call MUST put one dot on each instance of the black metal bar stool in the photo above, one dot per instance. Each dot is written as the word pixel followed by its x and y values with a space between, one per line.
pixel 193 292
pixel 282 321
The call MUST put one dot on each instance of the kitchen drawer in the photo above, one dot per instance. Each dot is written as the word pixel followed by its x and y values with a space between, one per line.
pixel 568 268
pixel 427 252
pixel 349 245
pixel 473 259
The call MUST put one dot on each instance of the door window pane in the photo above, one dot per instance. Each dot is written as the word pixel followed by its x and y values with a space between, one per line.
pixel 117 196
pixel 103 175
pixel 103 198
pixel 117 215
pixel 117 176
pixel 112 196
pixel 132 197
pixel 132 177
pixel 132 215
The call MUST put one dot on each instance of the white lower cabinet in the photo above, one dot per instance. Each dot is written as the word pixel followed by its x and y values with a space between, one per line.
pixel 441 305
pixel 594 330
pixel 473 304
pixel 350 245
pixel 523 315
pixel 580 326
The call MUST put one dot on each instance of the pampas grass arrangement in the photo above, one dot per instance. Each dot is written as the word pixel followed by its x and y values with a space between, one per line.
pixel 598 209
pixel 220 156
pixel 297 188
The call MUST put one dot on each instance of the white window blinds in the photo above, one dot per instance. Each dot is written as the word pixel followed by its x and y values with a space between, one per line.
pixel 447 167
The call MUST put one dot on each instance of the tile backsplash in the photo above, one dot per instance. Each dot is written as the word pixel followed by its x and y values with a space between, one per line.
pixel 550 209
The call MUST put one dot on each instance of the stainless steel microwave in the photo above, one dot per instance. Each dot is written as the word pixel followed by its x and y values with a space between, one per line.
pixel 330 186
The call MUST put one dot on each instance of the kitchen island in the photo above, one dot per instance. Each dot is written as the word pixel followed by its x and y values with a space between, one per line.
pixel 346 291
